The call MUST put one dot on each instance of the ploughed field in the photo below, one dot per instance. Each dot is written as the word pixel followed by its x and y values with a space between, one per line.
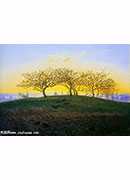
pixel 66 115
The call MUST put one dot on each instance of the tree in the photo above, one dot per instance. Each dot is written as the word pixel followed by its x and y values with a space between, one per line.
pixel 108 87
pixel 39 81
pixel 96 82
pixel 69 79
pixel 88 82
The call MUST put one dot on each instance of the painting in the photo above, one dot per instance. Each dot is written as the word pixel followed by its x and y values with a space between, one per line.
pixel 64 89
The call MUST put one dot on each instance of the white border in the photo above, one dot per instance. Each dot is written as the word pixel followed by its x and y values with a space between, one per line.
pixel 64 21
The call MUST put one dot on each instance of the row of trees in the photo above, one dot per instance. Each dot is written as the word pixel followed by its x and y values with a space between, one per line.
pixel 90 82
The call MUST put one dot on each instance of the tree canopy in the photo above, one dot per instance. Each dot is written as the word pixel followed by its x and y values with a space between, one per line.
pixel 94 83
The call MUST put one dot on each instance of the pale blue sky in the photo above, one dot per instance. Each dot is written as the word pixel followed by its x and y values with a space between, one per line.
pixel 14 56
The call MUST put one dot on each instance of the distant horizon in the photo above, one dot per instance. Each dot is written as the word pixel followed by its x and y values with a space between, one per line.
pixel 58 94
pixel 6 97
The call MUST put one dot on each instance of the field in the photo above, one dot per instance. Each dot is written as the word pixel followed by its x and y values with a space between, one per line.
pixel 65 115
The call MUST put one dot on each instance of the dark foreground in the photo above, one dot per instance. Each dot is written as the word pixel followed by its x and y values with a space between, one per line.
pixel 64 115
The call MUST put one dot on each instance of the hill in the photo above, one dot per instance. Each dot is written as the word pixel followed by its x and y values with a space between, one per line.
pixel 65 115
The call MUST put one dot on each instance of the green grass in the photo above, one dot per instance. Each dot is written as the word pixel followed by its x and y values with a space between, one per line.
pixel 65 115
pixel 67 103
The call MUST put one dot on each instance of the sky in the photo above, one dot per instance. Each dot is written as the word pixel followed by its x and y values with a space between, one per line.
pixel 20 58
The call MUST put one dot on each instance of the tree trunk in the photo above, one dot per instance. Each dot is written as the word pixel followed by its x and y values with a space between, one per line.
pixel 93 94
pixel 70 92
pixel 44 93
pixel 75 92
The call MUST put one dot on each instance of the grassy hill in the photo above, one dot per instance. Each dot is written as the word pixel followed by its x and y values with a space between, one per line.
pixel 65 115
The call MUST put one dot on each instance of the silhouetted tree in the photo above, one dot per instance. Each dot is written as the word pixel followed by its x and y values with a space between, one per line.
pixel 68 78
pixel 108 87
pixel 39 81
pixel 96 82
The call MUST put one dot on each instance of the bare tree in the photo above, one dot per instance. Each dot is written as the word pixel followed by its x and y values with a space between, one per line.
pixel 96 82
pixel 108 87
pixel 69 79
pixel 88 82
pixel 39 81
